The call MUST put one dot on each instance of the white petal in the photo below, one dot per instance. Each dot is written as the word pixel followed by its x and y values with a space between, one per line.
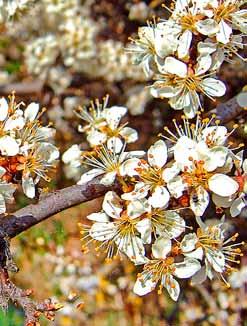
pixel 112 204
pixel 140 191
pixel 237 206
pixel 128 168
pixel 90 175
pixel 216 259
pixel 242 99
pixel 196 254
pixel 157 154
pixel 159 90
pixel 8 146
pixel 14 122
pixel 199 201
pixel 176 187
pixel 222 185
pixel 114 144
pixel 129 134
pixel 142 287
pixel 207 27
pixel 176 67
pixel 189 242
pixel 4 108
pixel 145 228
pixel 2 171
pixel 72 154
pixel 96 138
pixel 205 48
pixel 31 111
pixel 183 150
pixel 224 33
pixel 184 44
pixel 203 64
pixel 172 286
pixel 169 173
pixel 48 152
pixel 28 187
pixel 213 87
pixel 137 207
pixel 187 268
pixel 159 198
pixel 161 247
pixel 109 178
pixel 220 201
pixel 134 249
pixel 113 115
pixel 217 134
pixel 98 217
pixel 2 204
pixel 103 231
pixel 175 224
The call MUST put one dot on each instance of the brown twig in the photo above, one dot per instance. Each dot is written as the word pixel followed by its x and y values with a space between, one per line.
pixel 23 88
pixel 22 220
pixel 51 204
pixel 227 111
pixel 32 309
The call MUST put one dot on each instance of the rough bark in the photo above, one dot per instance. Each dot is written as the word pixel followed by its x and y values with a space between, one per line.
pixel 51 204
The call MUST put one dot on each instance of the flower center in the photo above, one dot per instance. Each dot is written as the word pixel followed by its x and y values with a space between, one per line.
pixel 224 11
pixel 197 177
pixel 151 176
pixel 188 21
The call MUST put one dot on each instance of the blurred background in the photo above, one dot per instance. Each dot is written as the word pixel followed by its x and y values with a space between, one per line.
pixel 64 53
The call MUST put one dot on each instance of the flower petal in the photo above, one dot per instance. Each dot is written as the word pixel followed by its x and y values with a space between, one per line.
pixel 213 87
pixel 161 247
pixel 222 185
pixel 112 204
pixel 28 186
pixel 216 259
pixel 31 111
pixel 175 67
pixel 90 175
pixel 115 144
pixel 145 228
pixel 130 135
pixel 103 231
pixel 184 44
pixel 159 198
pixel 113 115
pixel 98 217
pixel 4 108
pixel 137 207
pixel 108 179
pixel 199 201
pixel 157 154
pixel 224 33
pixel 172 286
pixel 187 268
pixel 128 168
pixel 237 206
pixel 144 285
pixel 8 146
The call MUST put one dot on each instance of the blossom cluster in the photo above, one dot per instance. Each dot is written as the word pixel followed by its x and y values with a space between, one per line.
pixel 26 151
pixel 155 189
pixel 9 8
pixel 64 40
pixel 184 53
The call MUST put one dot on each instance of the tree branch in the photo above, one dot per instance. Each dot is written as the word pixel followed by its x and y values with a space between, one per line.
pixel 51 204
pixel 227 111
pixel 32 309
